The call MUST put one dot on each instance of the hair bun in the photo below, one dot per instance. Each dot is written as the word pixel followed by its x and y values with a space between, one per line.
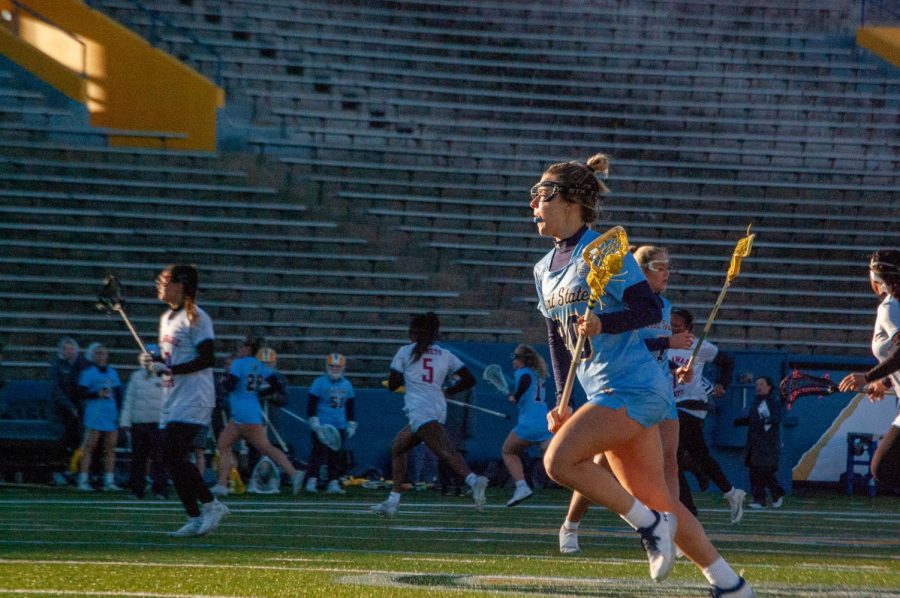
pixel 598 164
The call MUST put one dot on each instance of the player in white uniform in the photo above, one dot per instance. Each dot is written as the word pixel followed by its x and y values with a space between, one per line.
pixel 185 364
pixel 626 390
pixel 422 367
pixel 530 396
pixel 884 275
pixel 691 400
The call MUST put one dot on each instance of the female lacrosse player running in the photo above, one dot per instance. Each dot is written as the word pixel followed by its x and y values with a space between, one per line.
pixel 627 392
pixel 530 373
pixel 658 338
pixel 185 363
pixel 422 367
pixel 884 275
pixel 245 377
pixel 100 389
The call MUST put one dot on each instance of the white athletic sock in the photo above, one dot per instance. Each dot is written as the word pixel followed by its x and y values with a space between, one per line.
pixel 721 574
pixel 82 477
pixel 108 478
pixel 639 515
pixel 393 498
pixel 470 479
pixel 573 525
pixel 521 484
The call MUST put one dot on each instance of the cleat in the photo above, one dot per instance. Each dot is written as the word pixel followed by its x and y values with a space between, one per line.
pixel 311 485
pixel 568 540
pixel 735 498
pixel 297 482
pixel 777 503
pixel 84 487
pixel 213 512
pixel 757 505
pixel 658 541
pixel 111 487
pixel 478 488
pixel 385 509
pixel 188 529
pixel 334 487
pixel 741 590
pixel 219 490
pixel 523 493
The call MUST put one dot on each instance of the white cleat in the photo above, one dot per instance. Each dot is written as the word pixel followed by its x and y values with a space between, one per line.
pixel 735 498
pixel 659 542
pixel 479 486
pixel 84 487
pixel 334 487
pixel 213 512
pixel 312 485
pixel 568 540
pixel 188 529
pixel 111 487
pixel 523 493
pixel 385 509
pixel 776 504
pixel 219 490
pixel 297 482
pixel 741 590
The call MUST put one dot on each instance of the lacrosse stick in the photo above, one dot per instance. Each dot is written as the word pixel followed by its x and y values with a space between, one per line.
pixel 281 443
pixel 494 374
pixel 110 300
pixel 605 257
pixel 402 389
pixel 741 250
pixel 327 434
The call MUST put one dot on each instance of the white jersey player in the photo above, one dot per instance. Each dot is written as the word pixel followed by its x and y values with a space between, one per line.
pixel 185 363
pixel 423 367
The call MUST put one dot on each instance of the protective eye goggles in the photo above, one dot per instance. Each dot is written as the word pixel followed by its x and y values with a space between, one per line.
pixel 546 191
pixel 658 265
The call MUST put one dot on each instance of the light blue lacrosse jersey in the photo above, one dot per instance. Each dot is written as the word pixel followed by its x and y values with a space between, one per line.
pixel 612 362
pixel 661 328
pixel 333 395
pixel 251 374
pixel 100 413
pixel 532 424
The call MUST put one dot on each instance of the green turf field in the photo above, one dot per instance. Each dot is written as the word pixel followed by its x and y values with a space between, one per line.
pixel 61 542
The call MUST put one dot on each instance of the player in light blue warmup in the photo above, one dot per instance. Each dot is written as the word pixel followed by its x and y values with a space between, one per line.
pixel 244 380
pixel 330 402
pixel 100 389
pixel 627 392
pixel 531 428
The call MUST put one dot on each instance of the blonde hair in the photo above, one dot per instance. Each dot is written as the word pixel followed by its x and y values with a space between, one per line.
pixel 531 359
pixel 648 253
pixel 584 188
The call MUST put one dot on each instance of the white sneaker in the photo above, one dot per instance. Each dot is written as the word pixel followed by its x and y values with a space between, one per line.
pixel 311 484
pixel 85 486
pixel 777 503
pixel 659 542
pixel 735 498
pixel 521 493
pixel 297 482
pixel 568 540
pixel 757 505
pixel 219 490
pixel 741 590
pixel 334 487
pixel 385 509
pixel 212 515
pixel 111 487
pixel 478 489
pixel 188 529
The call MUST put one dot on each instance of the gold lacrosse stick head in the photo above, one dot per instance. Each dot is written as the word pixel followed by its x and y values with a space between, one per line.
pixel 605 256
pixel 741 250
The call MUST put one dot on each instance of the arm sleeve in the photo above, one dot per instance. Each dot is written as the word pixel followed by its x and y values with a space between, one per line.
pixel 524 384
pixel 657 343
pixel 230 382
pixel 312 405
pixel 350 406
pixel 725 363
pixel 85 393
pixel 560 358
pixel 465 382
pixel 206 358
pixel 276 386
pixel 395 380
pixel 886 367
pixel 642 309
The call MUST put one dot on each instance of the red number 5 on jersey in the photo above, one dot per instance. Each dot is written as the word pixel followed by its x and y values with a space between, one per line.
pixel 428 376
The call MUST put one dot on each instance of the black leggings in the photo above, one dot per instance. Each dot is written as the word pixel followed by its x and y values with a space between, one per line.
pixel 321 454
pixel 886 460
pixel 178 444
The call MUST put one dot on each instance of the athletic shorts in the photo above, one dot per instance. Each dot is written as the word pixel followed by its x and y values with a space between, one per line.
pixel 428 412
pixel 646 406
pixel 101 415
pixel 533 429
pixel 246 411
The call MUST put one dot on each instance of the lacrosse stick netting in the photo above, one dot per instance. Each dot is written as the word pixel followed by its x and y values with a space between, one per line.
pixel 605 256
pixel 799 385
pixel 110 300
pixel 494 374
